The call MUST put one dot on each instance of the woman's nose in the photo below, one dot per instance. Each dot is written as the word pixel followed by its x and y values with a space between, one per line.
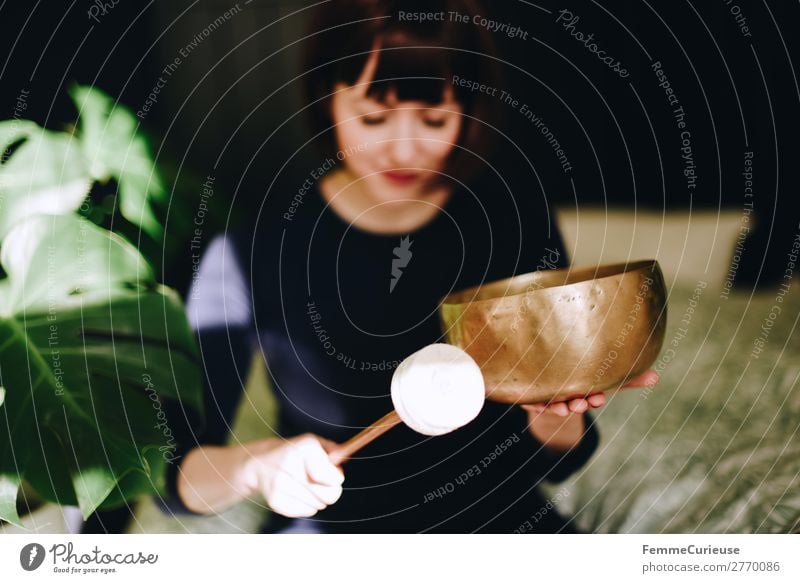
pixel 403 144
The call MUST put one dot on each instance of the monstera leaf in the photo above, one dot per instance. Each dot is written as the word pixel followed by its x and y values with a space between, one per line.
pixel 114 149
pixel 45 173
pixel 90 350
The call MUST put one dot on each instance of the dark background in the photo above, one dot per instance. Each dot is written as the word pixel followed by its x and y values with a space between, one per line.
pixel 228 110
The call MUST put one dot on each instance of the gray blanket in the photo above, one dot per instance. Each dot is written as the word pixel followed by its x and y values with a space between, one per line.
pixel 715 448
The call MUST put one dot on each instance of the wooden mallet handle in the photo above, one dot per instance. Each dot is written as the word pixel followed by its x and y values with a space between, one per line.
pixel 343 451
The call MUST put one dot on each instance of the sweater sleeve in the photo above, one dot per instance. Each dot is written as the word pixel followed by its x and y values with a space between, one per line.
pixel 220 313
pixel 531 461
pixel 561 465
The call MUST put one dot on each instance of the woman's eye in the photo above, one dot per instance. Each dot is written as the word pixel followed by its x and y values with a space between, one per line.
pixel 372 120
pixel 435 122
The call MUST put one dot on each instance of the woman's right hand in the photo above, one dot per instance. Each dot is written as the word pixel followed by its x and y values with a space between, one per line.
pixel 295 476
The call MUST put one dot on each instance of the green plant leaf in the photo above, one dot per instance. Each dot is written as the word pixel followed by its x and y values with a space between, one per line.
pixel 115 149
pixel 46 173
pixel 9 486
pixel 91 348
pixel 67 259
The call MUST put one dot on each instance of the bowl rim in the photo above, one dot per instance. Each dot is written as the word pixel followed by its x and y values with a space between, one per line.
pixel 584 274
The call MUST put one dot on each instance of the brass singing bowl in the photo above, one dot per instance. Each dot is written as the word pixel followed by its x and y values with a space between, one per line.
pixel 558 334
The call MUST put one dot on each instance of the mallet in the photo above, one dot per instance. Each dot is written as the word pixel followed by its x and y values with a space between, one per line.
pixel 435 390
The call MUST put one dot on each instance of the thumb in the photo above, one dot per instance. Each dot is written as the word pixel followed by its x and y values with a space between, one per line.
pixel 333 450
pixel 648 378
pixel 319 467
pixel 327 444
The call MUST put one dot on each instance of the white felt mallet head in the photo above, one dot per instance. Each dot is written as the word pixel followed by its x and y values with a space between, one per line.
pixel 438 389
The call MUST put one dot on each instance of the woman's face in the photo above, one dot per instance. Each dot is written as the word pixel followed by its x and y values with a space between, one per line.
pixel 394 148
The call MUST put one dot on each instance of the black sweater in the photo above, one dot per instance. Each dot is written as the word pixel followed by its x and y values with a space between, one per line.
pixel 334 309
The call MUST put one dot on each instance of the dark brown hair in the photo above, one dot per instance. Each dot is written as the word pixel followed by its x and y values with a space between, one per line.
pixel 417 59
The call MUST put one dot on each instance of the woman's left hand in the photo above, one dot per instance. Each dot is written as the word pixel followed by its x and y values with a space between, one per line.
pixel 648 378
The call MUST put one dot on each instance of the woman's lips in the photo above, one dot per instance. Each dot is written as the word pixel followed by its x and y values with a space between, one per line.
pixel 400 177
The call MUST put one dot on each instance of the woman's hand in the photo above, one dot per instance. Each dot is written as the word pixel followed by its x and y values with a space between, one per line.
pixel 295 476
pixel 648 378
pixel 559 425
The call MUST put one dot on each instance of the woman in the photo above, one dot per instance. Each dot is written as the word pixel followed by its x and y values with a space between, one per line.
pixel 340 280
